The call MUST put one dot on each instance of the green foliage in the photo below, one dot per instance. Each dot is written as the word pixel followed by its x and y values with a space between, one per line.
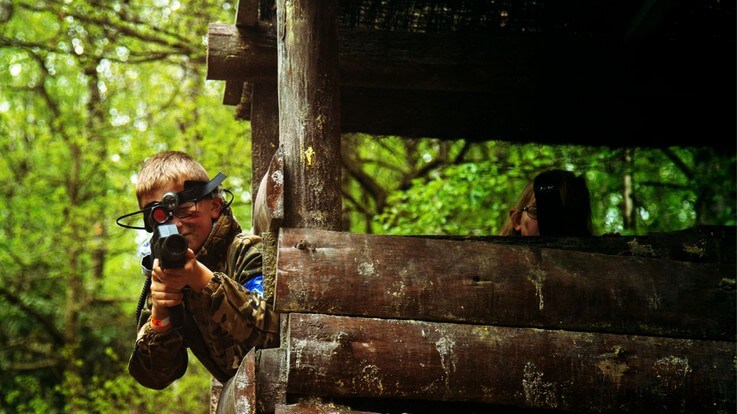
pixel 89 90
pixel 672 189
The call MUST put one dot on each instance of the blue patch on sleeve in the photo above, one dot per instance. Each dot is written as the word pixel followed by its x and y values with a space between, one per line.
pixel 256 285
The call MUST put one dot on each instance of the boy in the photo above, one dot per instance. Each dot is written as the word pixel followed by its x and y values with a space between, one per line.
pixel 221 320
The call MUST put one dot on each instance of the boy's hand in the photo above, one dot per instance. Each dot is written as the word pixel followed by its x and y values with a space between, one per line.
pixel 167 283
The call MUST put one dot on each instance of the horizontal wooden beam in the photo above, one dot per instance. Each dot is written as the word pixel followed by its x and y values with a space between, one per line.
pixel 529 64
pixel 568 118
pixel 548 90
pixel 345 357
pixel 475 282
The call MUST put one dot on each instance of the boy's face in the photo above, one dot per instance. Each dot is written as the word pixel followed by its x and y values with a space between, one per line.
pixel 195 228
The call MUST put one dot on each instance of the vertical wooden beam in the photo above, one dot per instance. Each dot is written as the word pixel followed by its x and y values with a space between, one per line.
pixel 264 130
pixel 309 112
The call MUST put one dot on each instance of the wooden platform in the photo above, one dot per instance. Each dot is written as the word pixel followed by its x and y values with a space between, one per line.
pixel 412 324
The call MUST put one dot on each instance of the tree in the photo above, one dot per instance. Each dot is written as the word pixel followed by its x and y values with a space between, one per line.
pixel 89 90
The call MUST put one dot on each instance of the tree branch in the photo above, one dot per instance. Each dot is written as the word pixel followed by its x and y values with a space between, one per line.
pixel 678 162
pixel 43 320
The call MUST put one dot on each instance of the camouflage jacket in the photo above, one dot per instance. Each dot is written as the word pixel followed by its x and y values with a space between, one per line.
pixel 221 323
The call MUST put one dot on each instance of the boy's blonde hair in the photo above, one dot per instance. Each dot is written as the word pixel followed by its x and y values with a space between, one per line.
pixel 168 168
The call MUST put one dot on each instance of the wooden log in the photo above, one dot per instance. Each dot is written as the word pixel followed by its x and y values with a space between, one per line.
pixel 316 407
pixel 226 52
pixel 475 282
pixel 390 60
pixel 259 383
pixel 473 62
pixel 239 394
pixel 269 202
pixel 271 381
pixel 334 356
pixel 700 244
pixel 264 112
pixel 246 13
pixel 309 112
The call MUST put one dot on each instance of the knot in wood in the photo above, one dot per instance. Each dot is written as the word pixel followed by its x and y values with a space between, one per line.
pixel 304 245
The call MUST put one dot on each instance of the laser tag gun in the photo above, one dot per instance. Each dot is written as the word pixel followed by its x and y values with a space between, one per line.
pixel 167 244
pixel 559 212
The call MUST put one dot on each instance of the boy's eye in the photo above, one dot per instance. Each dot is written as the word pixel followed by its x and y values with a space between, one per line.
pixel 185 209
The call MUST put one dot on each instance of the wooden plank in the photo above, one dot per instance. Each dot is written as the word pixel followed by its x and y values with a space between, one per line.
pixel 476 282
pixel 309 112
pixel 546 119
pixel 334 356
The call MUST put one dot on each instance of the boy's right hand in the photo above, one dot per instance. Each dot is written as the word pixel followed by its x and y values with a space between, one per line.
pixel 163 297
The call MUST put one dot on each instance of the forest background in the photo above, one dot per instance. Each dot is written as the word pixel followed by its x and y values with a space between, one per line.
pixel 89 89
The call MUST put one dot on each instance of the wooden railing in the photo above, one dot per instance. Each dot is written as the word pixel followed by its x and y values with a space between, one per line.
pixel 413 324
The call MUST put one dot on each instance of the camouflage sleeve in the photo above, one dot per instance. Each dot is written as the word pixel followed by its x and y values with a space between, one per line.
pixel 158 358
pixel 231 319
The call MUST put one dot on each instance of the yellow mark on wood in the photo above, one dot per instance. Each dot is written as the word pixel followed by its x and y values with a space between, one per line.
pixel 309 152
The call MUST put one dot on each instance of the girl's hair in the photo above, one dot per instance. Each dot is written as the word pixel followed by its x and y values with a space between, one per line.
pixel 166 169
pixel 574 200
pixel 523 201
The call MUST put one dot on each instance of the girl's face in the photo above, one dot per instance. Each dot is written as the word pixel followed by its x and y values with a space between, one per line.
pixel 525 221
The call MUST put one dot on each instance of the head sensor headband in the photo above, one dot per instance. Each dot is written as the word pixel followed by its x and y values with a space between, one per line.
pixel 161 212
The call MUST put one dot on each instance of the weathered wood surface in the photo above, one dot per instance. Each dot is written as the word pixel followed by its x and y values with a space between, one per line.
pixel 488 283
pixel 239 395
pixel 316 407
pixel 309 112
pixel 583 372
pixel 700 244
pixel 271 381
pixel 263 107
pixel 268 207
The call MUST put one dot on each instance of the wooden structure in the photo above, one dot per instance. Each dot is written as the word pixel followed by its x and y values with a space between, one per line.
pixel 417 324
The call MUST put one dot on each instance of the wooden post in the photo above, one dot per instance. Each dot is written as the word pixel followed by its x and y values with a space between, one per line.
pixel 264 130
pixel 309 112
